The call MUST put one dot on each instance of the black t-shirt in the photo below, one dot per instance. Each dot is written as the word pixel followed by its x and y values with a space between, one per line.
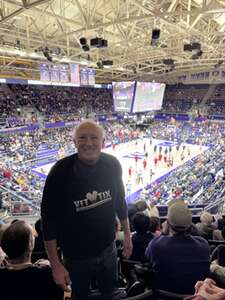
pixel 79 205
pixel 32 282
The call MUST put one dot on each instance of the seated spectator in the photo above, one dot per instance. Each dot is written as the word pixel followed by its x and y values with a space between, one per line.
pixel 218 264
pixel 219 234
pixel 141 237
pixel 119 237
pixel 155 226
pixel 206 227
pixel 20 279
pixel 2 253
pixel 178 259
pixel 133 208
pixel 39 247
pixel 152 209
pixel 221 222
pixel 192 230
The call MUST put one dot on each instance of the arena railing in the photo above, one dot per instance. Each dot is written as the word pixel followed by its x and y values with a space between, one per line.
pixel 219 203
pixel 16 197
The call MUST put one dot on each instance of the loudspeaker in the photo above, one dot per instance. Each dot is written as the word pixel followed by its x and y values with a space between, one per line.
pixel 83 41
pixel 187 47
pixel 196 46
pixel 104 43
pixel 155 37
pixel 107 62
pixel 99 64
pixel 155 34
pixel 85 47
pixel 197 54
pixel 96 42
pixel 168 61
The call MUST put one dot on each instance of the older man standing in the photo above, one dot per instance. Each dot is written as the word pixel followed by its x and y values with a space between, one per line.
pixel 82 195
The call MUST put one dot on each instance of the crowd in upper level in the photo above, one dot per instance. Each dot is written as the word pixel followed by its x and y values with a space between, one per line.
pixel 22 104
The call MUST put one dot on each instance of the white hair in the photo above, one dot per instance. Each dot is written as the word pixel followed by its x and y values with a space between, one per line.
pixel 91 122
pixel 206 218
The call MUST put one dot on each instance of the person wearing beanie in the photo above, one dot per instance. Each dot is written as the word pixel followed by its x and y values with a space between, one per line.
pixel 178 260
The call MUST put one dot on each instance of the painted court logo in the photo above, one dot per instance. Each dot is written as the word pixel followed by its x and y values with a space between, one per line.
pixel 92 200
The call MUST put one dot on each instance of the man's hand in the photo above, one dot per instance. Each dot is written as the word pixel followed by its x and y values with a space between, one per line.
pixel 61 276
pixel 42 262
pixel 127 246
pixel 208 290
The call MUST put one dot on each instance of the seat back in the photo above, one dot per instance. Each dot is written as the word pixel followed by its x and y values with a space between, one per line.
pixel 136 288
pixel 216 242
pixel 147 295
pixel 166 295
pixel 95 295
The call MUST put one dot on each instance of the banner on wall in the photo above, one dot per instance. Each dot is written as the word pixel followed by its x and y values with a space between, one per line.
pixel 54 73
pixel 91 77
pixel 84 75
pixel 44 72
pixel 204 77
pixel 75 74
pixel 64 73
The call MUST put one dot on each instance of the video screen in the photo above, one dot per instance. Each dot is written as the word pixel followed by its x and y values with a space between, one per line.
pixel 123 93
pixel 148 96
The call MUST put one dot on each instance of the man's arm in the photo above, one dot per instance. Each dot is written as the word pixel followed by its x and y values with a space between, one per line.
pixel 49 213
pixel 121 210
pixel 127 243
pixel 60 274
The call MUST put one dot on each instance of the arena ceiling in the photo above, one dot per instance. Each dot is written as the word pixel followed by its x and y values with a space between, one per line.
pixel 27 27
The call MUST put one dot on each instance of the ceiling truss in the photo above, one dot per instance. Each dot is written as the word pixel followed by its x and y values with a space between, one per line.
pixel 126 24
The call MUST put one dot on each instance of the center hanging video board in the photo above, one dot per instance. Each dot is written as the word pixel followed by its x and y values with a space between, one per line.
pixel 123 93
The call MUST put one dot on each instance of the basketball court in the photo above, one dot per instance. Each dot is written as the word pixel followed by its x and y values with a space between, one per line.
pixel 132 155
